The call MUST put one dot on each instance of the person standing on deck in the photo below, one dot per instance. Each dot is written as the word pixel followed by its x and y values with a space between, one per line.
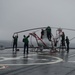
pixel 48 29
pixel 67 43
pixel 63 39
pixel 26 42
pixel 15 39
pixel 42 33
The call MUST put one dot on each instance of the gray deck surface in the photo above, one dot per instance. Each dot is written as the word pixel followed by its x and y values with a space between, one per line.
pixel 37 63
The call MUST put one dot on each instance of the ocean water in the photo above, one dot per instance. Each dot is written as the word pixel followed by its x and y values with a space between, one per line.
pixel 20 44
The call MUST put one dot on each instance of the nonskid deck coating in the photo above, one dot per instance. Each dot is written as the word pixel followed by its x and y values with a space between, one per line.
pixel 34 63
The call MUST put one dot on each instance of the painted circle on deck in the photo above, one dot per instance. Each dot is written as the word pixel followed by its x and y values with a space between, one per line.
pixel 2 67
pixel 31 59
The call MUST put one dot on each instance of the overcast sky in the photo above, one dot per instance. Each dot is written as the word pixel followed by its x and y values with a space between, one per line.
pixel 16 15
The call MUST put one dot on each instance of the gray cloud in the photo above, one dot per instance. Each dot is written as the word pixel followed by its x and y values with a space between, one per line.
pixel 16 15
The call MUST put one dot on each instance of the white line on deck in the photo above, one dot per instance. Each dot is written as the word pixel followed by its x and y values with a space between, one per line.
pixel 57 60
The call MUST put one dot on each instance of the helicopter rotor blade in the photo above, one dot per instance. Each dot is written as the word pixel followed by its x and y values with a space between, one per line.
pixel 43 28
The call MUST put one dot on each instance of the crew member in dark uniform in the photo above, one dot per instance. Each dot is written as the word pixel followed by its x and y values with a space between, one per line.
pixel 26 42
pixel 42 33
pixel 63 39
pixel 48 29
pixel 15 39
pixel 67 43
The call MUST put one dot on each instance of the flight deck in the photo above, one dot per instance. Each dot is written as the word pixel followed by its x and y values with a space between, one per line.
pixel 39 63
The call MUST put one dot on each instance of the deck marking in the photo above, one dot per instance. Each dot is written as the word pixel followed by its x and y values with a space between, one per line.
pixel 2 66
pixel 57 60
